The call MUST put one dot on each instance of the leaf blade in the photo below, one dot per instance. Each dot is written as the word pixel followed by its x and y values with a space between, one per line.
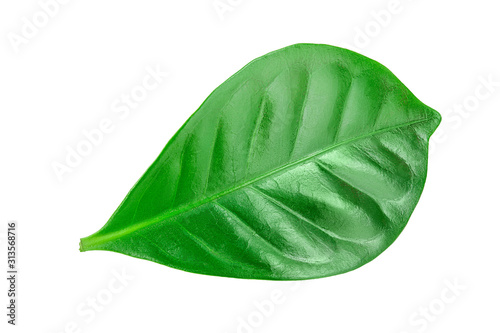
pixel 295 131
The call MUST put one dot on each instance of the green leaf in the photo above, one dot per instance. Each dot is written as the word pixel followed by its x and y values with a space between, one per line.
pixel 306 163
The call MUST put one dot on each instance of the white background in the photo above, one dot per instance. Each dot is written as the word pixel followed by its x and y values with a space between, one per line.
pixel 64 78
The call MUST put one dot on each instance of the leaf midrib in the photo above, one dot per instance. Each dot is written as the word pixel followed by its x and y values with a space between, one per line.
pixel 92 241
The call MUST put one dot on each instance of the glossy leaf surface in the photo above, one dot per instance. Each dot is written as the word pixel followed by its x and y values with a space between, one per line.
pixel 306 163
